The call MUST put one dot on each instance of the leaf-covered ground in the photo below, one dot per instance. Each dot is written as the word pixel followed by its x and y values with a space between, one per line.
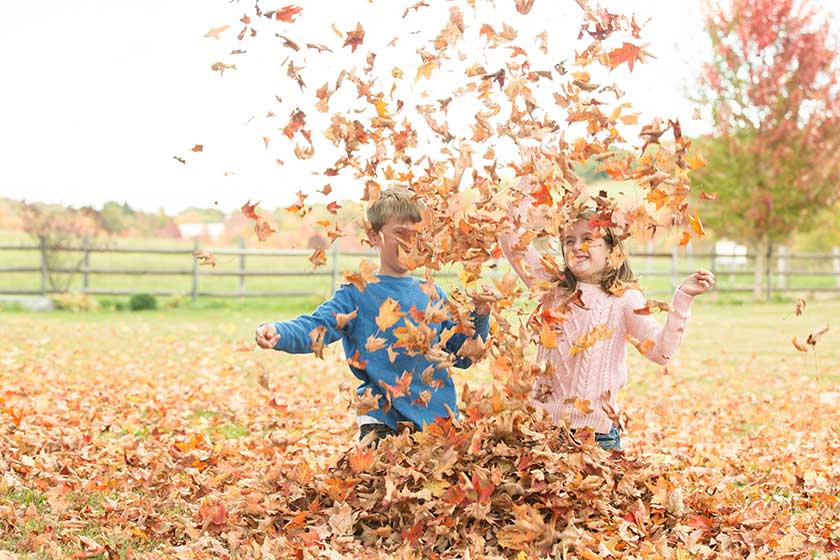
pixel 148 436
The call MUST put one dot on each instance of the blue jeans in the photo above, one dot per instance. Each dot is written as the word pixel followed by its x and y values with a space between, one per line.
pixel 610 440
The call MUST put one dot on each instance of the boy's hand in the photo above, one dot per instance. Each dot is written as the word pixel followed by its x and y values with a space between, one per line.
pixel 698 282
pixel 483 300
pixel 267 336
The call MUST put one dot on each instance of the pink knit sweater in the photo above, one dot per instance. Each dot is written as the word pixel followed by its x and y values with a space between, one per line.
pixel 593 373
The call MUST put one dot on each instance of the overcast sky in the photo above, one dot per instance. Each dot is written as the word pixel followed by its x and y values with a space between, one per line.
pixel 98 96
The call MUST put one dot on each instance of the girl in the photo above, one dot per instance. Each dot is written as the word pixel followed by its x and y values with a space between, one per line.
pixel 585 350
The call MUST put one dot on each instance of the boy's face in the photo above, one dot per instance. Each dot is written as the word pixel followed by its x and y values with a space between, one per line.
pixel 393 235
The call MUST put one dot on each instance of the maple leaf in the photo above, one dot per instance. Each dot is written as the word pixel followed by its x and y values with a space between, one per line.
pixel 360 460
pixel 333 207
pixel 628 53
pixel 696 224
pixel 263 229
pixel 354 361
pixel 423 399
pixel 375 343
pixel 263 377
pixel 212 512
pixel 524 6
pixel 248 210
pixel 800 306
pixel 198 148
pixel 354 38
pixel 798 345
pixel 364 276
pixel 318 258
pixel 644 347
pixel 389 314
pixel 582 405
pixel 287 13
pixel 401 386
pixel 205 257
pixel 316 337
pixel 216 31
pixel 597 334
pixel 180 159
pixel 652 306
pixel 297 119
pixel 341 319
pixel 815 336
pixel 707 196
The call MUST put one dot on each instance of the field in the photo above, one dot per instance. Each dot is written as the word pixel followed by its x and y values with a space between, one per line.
pixel 147 434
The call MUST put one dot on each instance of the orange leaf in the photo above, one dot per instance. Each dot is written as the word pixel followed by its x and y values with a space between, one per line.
pixel 333 207
pixel 360 460
pixel 696 224
pixel 354 38
pixel 389 313
pixel 341 319
pixel 707 196
pixel 799 346
pixel 318 258
pixel 316 336
pixel 695 162
pixel 374 343
pixel 248 210
pixel 628 53
pixel 815 336
pixel 216 31
pixel 198 148
pixel 263 229
pixel 365 275
pixel 287 13
pixel 800 306
pixel 354 361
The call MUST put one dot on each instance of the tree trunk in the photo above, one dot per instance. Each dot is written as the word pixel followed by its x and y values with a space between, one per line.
pixel 762 252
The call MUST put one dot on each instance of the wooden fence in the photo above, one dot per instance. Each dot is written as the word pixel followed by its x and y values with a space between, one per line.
pixel 663 269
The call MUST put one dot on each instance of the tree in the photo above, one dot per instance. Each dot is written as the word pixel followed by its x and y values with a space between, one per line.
pixel 772 85
pixel 56 230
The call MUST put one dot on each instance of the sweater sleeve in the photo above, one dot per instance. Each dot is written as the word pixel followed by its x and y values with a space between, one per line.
pixel 666 338
pixel 295 333
pixel 481 328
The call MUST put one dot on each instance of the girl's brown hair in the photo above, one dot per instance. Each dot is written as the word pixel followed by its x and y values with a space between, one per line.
pixel 613 275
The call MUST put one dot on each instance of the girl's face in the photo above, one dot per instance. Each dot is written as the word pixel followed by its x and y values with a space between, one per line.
pixel 585 253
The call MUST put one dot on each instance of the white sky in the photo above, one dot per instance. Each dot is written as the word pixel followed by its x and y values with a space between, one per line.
pixel 98 96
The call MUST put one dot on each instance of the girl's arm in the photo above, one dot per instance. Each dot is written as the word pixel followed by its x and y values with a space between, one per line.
pixel 662 340
pixel 523 257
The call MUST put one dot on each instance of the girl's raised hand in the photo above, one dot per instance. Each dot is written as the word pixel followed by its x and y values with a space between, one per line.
pixel 698 282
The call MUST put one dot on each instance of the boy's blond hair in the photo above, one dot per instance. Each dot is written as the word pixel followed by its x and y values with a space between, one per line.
pixel 395 203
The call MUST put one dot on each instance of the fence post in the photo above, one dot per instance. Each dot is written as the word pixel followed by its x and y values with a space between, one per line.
pixel 782 279
pixel 44 270
pixel 768 280
pixel 85 262
pixel 674 279
pixel 835 251
pixel 334 275
pixel 242 268
pixel 195 272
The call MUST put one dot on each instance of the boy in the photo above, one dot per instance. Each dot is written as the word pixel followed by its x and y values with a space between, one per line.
pixel 405 364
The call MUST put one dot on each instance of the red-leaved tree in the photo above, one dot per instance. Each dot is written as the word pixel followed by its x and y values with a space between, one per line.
pixel 772 85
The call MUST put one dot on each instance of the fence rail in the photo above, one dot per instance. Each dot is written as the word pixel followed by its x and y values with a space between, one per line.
pixel 658 266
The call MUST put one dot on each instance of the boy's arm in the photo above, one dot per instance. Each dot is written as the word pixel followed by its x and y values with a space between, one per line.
pixel 296 336
pixel 657 342
pixel 480 320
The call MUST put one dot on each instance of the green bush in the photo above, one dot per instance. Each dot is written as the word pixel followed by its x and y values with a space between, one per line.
pixel 140 302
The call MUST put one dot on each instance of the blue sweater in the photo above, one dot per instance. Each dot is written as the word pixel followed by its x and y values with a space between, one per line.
pixel 295 339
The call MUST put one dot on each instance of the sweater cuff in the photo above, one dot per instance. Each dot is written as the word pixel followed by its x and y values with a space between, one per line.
pixel 682 302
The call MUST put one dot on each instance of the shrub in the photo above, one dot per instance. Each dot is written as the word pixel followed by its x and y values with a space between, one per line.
pixel 74 301
pixel 140 302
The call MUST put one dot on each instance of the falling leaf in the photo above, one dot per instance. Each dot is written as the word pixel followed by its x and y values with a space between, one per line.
pixel 628 53
pixel 333 207
pixel 375 343
pixel 316 338
pixel 696 224
pixel 652 306
pixel 798 345
pixel 318 258
pixel 198 148
pixel 287 13
pixel 389 314
pixel 354 361
pixel 216 31
pixel 800 306
pixel 205 257
pixel 707 196
pixel 354 38
pixel 364 276
pixel 341 319
pixel 263 229
pixel 815 336
pixel 248 210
